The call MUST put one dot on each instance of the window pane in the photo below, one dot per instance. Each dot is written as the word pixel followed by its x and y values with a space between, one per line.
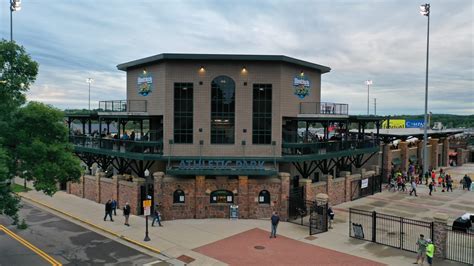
pixel 222 110
pixel 262 114
pixel 183 112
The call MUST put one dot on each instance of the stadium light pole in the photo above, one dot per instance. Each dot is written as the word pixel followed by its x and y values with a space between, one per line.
pixel 425 11
pixel 368 83
pixel 15 5
pixel 89 81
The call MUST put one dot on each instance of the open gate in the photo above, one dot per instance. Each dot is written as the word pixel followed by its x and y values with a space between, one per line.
pixel 306 212
pixel 318 219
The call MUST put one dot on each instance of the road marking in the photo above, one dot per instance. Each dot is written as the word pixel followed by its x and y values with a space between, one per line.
pixel 31 246
pixel 96 226
pixel 152 263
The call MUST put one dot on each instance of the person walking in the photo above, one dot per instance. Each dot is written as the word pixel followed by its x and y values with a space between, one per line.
pixel 156 217
pixel 430 248
pixel 421 244
pixel 275 220
pixel 449 183
pixel 431 187
pixel 108 210
pixel 126 213
pixel 114 206
pixel 331 217
pixel 467 182
pixel 413 187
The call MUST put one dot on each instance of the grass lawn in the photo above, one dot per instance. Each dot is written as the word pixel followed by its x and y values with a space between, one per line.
pixel 19 188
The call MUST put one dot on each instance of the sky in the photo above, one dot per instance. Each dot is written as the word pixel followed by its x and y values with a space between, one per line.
pixel 384 41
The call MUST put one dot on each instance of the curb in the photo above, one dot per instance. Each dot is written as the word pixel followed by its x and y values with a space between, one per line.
pixel 97 227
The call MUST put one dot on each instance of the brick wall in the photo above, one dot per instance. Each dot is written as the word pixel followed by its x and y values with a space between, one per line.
pixel 90 187
pixel 130 192
pixel 76 188
pixel 338 193
pixel 170 210
pixel 108 189
pixel 257 210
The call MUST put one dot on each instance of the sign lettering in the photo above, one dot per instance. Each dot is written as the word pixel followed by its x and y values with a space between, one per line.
pixel 221 164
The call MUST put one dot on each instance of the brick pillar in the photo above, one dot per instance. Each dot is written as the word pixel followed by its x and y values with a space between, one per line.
pixel 158 186
pixel 329 186
pixel 201 197
pixel 419 152
pixel 445 156
pixel 460 156
pixel 98 176
pixel 440 234
pixel 244 196
pixel 403 145
pixel 307 188
pixel 136 194
pixel 387 161
pixel 116 192
pixel 434 153
pixel 285 193
pixel 83 186
pixel 347 184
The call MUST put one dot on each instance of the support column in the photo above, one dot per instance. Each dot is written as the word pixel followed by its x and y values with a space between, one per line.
pixel 329 186
pixel 200 208
pixel 347 185
pixel 158 187
pixel 307 188
pixel 440 234
pixel 98 176
pixel 445 156
pixel 403 145
pixel 387 161
pixel 244 197
pixel 434 153
pixel 460 156
pixel 285 192
pixel 83 186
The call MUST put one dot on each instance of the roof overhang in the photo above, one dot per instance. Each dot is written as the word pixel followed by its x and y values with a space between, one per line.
pixel 221 57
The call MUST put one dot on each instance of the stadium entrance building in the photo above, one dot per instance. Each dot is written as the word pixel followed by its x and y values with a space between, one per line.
pixel 200 133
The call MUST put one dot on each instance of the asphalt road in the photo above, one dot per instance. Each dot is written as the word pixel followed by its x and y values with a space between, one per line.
pixel 68 243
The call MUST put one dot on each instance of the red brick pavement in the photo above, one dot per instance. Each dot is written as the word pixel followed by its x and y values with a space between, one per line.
pixel 240 250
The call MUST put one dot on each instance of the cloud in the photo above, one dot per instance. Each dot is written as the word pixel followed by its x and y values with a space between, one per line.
pixel 380 40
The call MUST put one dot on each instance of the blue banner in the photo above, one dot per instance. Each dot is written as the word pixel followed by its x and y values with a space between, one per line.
pixel 414 123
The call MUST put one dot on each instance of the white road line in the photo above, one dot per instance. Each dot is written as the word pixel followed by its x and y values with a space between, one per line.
pixel 152 263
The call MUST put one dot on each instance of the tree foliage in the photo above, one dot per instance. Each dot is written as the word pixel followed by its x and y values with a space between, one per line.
pixel 33 137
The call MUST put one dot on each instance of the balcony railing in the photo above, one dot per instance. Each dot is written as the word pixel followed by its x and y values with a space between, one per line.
pixel 326 147
pixel 120 145
pixel 123 106
pixel 324 108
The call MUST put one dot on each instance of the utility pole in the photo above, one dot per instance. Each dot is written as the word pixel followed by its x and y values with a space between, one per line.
pixel 375 106
pixel 425 11
pixel 15 5
pixel 368 83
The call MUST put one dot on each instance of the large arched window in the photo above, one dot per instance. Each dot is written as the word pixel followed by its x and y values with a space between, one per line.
pixel 178 196
pixel 222 196
pixel 264 197
pixel 222 110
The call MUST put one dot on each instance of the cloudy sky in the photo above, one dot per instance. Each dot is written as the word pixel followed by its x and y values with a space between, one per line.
pixel 384 41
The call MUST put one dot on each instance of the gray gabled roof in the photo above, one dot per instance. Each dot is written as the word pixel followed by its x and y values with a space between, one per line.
pixel 221 57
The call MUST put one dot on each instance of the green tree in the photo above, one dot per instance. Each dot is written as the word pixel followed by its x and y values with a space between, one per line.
pixel 33 138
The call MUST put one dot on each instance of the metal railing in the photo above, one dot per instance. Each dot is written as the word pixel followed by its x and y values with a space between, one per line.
pixel 460 246
pixel 123 106
pixel 326 147
pixel 120 145
pixel 324 108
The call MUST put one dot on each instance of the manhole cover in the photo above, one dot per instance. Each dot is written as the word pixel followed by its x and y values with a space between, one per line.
pixel 259 247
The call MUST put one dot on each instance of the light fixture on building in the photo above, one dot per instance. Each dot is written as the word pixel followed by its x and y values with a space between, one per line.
pixel 302 73
pixel 244 69
pixel 144 71
pixel 202 69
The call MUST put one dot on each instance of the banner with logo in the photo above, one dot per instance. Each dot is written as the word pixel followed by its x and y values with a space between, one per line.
pixel 302 86
pixel 414 123
pixel 144 83
pixel 394 123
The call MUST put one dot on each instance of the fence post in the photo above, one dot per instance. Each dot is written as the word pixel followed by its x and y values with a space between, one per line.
pixel 374 227
pixel 401 232
pixel 440 234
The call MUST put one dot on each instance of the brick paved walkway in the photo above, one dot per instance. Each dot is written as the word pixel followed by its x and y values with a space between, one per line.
pixel 241 249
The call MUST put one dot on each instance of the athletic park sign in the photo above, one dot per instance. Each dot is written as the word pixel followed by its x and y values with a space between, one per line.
pixel 402 123
pixel 221 164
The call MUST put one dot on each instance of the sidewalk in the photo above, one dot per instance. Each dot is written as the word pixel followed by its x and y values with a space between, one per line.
pixel 180 237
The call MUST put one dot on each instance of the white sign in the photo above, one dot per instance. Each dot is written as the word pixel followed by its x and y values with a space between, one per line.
pixel 365 183
pixel 147 211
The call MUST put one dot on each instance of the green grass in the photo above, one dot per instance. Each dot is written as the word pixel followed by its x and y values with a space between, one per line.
pixel 19 188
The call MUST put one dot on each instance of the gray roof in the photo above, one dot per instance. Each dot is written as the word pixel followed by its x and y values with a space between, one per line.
pixel 222 57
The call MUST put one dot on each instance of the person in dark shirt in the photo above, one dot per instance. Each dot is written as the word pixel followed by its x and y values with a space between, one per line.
pixel 275 220
pixel 108 210
pixel 126 213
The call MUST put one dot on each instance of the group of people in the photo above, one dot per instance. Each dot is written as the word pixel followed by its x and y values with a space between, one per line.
pixel 443 180
pixel 111 207
pixel 425 248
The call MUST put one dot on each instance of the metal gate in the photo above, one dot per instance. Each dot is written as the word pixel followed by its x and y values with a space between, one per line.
pixel 365 187
pixel 389 230
pixel 297 204
pixel 460 246
pixel 318 219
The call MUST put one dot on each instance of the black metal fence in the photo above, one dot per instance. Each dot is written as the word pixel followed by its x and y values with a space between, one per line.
pixel 306 212
pixel 387 229
pixel 460 247
pixel 365 187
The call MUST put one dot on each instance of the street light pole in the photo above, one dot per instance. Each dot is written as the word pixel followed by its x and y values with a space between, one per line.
pixel 89 80
pixel 368 83
pixel 425 11
pixel 14 6
pixel 375 106
pixel 147 174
